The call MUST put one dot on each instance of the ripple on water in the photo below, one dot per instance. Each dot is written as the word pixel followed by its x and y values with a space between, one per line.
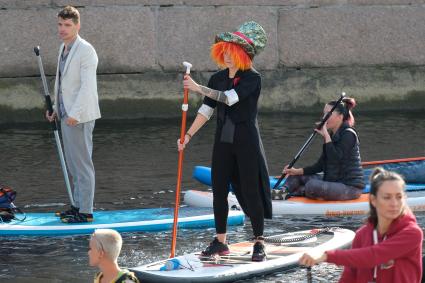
pixel 135 160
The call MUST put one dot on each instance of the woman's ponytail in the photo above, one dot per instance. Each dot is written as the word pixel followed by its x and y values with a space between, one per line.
pixel 349 103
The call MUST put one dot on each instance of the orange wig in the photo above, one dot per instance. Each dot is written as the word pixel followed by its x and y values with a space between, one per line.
pixel 239 57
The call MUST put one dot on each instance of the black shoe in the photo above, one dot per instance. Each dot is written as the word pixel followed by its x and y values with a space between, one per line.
pixel 78 218
pixel 72 211
pixel 258 253
pixel 216 247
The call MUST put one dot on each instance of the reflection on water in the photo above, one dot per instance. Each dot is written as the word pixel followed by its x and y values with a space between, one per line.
pixel 136 163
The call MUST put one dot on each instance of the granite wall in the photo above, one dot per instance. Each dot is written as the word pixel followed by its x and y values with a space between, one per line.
pixel 371 49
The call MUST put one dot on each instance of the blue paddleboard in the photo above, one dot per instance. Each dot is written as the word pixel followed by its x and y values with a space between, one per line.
pixel 154 219
pixel 203 175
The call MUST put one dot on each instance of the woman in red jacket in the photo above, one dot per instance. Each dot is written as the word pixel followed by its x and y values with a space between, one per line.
pixel 388 248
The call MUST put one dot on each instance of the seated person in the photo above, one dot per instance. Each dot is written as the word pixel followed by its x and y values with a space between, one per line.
pixel 104 249
pixel 388 248
pixel 340 161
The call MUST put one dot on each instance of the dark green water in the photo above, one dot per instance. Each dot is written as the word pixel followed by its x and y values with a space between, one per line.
pixel 136 166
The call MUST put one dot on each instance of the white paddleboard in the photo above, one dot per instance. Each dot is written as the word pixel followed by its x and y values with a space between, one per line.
pixel 302 205
pixel 238 265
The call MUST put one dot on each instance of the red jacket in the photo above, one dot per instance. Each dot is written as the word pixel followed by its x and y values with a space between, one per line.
pixel 401 252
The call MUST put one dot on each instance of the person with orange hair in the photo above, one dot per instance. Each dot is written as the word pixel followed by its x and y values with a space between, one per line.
pixel 238 155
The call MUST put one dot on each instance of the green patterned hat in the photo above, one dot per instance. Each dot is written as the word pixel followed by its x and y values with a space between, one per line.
pixel 250 35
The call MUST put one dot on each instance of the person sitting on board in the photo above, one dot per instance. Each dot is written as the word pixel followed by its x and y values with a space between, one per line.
pixel 104 249
pixel 238 156
pixel 340 161
pixel 388 248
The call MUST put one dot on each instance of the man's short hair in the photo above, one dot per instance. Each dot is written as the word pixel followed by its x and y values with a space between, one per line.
pixel 109 241
pixel 70 12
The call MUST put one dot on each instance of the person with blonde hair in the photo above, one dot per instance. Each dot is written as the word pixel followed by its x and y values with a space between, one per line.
pixel 238 156
pixel 388 248
pixel 104 249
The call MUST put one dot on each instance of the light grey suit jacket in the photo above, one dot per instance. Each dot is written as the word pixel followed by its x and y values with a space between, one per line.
pixel 79 85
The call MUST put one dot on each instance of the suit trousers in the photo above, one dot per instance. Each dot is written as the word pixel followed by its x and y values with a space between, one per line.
pixel 78 147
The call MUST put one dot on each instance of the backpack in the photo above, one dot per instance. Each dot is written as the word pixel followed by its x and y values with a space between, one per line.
pixel 7 208
pixel 126 277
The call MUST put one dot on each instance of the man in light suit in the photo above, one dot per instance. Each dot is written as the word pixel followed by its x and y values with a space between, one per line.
pixel 77 107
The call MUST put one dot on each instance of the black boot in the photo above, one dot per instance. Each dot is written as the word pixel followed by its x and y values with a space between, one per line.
pixel 72 211
pixel 78 218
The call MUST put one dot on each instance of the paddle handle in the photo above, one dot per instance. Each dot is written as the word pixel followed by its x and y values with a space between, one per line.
pixel 309 140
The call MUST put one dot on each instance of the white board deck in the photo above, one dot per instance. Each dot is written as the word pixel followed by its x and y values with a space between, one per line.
pixel 302 205
pixel 238 264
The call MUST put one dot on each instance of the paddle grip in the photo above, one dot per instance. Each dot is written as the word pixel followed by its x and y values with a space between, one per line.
pixel 325 119
pixel 50 110
pixel 49 104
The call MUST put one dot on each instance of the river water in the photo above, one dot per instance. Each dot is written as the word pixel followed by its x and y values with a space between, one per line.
pixel 136 166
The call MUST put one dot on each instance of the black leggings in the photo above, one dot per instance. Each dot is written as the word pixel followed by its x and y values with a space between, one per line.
pixel 312 186
pixel 238 165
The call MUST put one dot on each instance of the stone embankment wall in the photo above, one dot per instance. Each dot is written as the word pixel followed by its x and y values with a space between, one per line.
pixel 371 49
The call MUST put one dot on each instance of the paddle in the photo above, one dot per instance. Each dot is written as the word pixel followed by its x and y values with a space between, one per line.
pixel 185 106
pixel 309 140
pixel 380 162
pixel 54 123
pixel 309 275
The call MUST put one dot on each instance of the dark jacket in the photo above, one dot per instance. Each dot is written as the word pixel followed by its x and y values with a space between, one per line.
pixel 340 160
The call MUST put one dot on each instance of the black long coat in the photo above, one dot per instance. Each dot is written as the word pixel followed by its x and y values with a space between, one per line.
pixel 247 85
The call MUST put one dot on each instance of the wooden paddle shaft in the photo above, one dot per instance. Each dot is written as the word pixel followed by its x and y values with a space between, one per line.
pixel 180 163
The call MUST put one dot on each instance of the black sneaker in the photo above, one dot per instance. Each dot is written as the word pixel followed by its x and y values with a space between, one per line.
pixel 216 247
pixel 78 218
pixel 258 253
pixel 72 211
